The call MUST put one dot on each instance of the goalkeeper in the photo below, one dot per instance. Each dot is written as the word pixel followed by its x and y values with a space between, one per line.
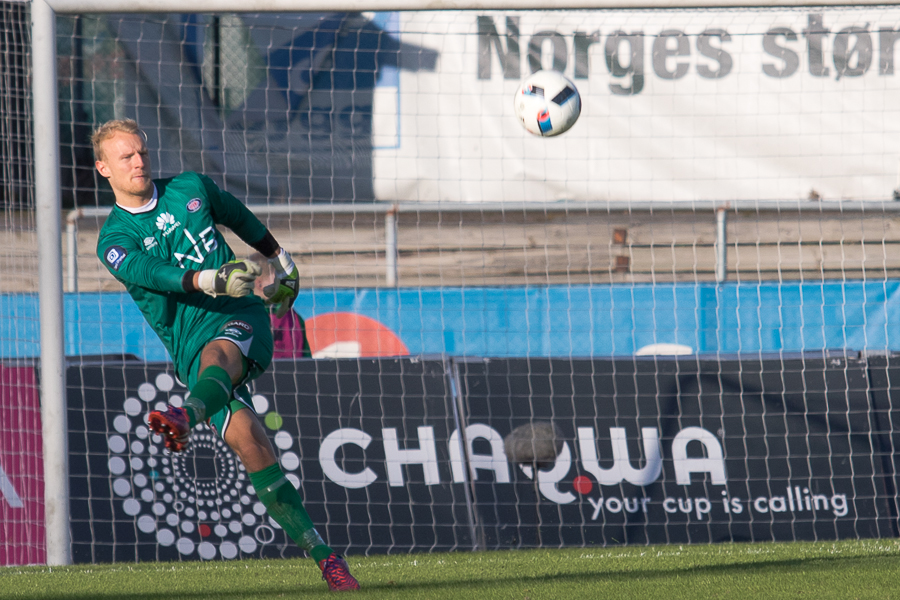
pixel 160 241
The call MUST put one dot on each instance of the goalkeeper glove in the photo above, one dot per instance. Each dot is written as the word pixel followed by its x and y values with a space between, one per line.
pixel 234 279
pixel 284 290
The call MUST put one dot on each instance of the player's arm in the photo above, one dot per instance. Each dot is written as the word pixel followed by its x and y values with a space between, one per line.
pixel 129 264
pixel 231 212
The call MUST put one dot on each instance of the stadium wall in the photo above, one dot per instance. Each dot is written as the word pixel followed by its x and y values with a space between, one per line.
pixel 548 321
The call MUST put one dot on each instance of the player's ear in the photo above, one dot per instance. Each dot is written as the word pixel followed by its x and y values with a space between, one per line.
pixel 102 168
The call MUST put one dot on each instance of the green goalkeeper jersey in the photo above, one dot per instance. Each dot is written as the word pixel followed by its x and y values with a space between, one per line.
pixel 149 250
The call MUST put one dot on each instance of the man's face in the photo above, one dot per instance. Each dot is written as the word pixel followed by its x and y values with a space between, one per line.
pixel 125 162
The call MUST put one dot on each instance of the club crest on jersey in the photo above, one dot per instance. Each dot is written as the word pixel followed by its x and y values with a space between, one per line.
pixel 166 223
pixel 115 255
pixel 194 205
pixel 150 242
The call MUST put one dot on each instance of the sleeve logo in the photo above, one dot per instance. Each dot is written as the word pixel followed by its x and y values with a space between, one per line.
pixel 115 255
pixel 194 205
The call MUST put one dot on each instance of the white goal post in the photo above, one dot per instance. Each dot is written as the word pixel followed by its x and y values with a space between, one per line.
pixel 48 185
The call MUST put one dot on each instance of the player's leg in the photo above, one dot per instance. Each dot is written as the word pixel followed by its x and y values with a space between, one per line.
pixel 221 366
pixel 240 348
pixel 235 356
pixel 246 436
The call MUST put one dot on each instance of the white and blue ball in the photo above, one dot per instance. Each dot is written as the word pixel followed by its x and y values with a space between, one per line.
pixel 547 103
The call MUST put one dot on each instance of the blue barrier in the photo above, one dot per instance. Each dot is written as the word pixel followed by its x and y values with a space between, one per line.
pixel 598 320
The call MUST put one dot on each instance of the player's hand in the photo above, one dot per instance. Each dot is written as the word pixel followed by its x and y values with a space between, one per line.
pixel 233 279
pixel 284 290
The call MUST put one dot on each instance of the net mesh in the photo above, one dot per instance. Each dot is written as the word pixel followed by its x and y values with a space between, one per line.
pixel 679 301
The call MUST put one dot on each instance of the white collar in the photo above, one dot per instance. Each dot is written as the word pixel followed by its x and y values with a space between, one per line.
pixel 145 208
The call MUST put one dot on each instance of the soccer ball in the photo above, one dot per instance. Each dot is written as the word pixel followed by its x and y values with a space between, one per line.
pixel 547 103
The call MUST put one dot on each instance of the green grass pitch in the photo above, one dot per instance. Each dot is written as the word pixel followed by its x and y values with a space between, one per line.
pixel 841 570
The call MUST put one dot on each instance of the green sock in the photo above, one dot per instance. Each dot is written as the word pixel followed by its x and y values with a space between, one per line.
pixel 209 395
pixel 284 504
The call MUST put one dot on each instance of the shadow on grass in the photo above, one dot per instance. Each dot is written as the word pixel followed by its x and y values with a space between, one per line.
pixel 785 566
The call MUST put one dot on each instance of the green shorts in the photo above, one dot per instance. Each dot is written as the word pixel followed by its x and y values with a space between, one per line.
pixel 251 332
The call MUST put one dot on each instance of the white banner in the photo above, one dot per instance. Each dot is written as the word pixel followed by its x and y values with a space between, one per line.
pixel 681 105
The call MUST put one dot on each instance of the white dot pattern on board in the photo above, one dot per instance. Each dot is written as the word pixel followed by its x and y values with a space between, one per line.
pixel 260 404
pixel 185 545
pixel 131 507
pixel 147 392
pixel 247 544
pixel 163 488
pixel 228 550
pixel 284 440
pixel 122 424
pixel 122 487
pixel 133 407
pixel 116 465
pixel 117 443
pixel 146 523
pixel 206 550
pixel 164 382
pixel 290 461
pixel 165 537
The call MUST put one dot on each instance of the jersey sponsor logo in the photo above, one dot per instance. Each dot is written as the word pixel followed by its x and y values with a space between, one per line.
pixel 240 324
pixel 149 242
pixel 206 241
pixel 164 220
pixel 115 255
pixel 194 205
pixel 166 223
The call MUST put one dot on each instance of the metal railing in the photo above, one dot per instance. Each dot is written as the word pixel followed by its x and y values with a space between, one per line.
pixel 392 210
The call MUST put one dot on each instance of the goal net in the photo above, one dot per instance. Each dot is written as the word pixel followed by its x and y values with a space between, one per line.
pixel 670 324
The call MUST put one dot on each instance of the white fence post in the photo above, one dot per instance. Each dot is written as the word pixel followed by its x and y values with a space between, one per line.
pixel 721 244
pixel 390 243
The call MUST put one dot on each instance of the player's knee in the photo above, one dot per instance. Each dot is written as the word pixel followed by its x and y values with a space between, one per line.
pixel 254 454
pixel 223 354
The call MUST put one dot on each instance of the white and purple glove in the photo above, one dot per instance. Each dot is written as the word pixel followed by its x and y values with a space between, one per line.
pixel 284 290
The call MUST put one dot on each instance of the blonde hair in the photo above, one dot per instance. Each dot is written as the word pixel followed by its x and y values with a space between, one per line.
pixel 111 128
